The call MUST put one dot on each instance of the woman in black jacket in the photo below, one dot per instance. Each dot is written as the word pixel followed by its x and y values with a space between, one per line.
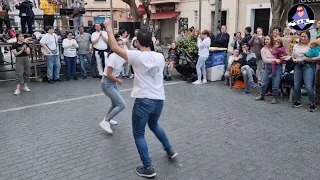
pixel 26 15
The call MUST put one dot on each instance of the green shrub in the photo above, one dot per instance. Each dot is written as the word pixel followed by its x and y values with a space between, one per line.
pixel 189 44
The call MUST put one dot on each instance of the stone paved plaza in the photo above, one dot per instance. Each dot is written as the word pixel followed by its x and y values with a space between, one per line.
pixel 219 133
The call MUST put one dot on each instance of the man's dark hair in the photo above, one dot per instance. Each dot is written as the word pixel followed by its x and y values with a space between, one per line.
pixel 121 32
pixel 245 44
pixel 318 37
pixel 277 28
pixel 144 37
pixel 47 28
pixel 81 27
pixel 248 29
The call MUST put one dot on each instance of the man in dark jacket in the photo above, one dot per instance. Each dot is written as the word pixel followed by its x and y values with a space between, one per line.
pixel 26 15
pixel 247 37
pixel 222 41
pixel 248 66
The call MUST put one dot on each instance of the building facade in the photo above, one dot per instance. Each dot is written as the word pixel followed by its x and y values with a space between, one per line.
pixel 97 10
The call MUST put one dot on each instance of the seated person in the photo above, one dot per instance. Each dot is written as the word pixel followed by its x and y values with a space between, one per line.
pixel 173 58
pixel 248 63
pixel 173 54
pixel 158 47
pixel 232 59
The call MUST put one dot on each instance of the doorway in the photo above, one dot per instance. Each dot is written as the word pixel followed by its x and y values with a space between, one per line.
pixel 262 19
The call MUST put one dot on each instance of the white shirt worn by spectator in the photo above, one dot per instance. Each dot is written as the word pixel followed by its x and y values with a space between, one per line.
pixel 204 47
pixel 70 47
pixel 116 62
pixel 51 41
pixel 148 74
pixel 100 45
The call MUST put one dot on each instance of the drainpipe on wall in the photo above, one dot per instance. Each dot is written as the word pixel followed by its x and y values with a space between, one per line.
pixel 237 13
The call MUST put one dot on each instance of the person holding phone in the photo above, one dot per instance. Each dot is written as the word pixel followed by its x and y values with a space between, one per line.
pixel 21 51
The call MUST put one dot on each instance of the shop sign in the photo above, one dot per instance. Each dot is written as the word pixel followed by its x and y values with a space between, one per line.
pixel 169 7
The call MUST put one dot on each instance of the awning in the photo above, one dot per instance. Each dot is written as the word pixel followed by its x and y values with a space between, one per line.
pixel 164 15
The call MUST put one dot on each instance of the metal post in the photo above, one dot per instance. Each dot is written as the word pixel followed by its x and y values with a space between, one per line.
pixel 217 17
pixel 199 14
pixel 111 14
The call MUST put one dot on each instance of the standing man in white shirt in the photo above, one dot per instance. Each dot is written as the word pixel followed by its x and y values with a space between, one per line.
pixel 50 43
pixel 99 40
pixel 149 93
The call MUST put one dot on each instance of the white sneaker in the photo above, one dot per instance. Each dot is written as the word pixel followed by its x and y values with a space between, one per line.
pixel 113 122
pixel 132 76
pixel 204 81
pixel 197 82
pixel 17 92
pixel 27 89
pixel 106 126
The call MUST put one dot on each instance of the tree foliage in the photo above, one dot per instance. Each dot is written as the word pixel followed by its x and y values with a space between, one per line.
pixel 280 10
pixel 137 16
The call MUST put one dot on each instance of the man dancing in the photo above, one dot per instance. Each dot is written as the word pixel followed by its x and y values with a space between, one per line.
pixel 149 93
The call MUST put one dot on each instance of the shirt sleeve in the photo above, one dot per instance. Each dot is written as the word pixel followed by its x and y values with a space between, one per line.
pixel 264 56
pixel 93 36
pixel 133 56
pixel 105 34
pixel 14 46
pixel 111 61
pixel 44 39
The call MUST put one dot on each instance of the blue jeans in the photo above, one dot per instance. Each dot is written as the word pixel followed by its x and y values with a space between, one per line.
pixel 275 80
pixel 53 67
pixel 201 67
pixel 225 61
pixel 110 89
pixel 147 111
pixel 83 64
pixel 71 66
pixel 77 22
pixel 304 73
